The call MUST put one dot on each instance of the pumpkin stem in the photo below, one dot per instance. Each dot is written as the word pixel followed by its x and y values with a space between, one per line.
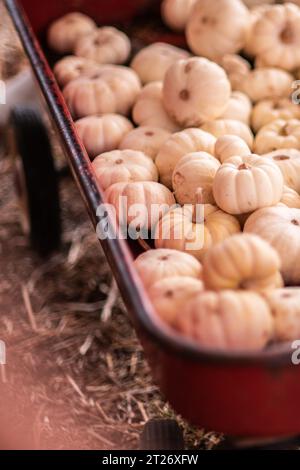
pixel 244 166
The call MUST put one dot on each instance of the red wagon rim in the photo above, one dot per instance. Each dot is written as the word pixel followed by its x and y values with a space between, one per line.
pixel 117 251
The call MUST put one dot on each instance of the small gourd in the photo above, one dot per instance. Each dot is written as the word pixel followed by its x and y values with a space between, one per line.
pixel 65 32
pixel 280 226
pixel 156 265
pixel 185 229
pixel 227 321
pixel 123 166
pixel 101 134
pixel 245 184
pixel 285 308
pixel 140 204
pixel 239 108
pixel 229 146
pixel 290 198
pixel 152 62
pixel 288 160
pixel 113 89
pixel 217 28
pixel 275 36
pixel 105 45
pixel 221 127
pixel 170 296
pixel 178 145
pixel 193 178
pixel 146 139
pixel 175 13
pixel 71 67
pixel 242 261
pixel 195 90
pixel 263 83
pixel 267 111
pixel 149 109
pixel 236 67
pixel 277 135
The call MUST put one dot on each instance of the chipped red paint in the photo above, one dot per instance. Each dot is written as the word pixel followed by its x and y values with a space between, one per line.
pixel 239 394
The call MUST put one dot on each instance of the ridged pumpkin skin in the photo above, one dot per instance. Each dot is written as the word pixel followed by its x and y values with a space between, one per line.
pixel 277 135
pixel 228 321
pixel 193 178
pixel 239 108
pixel 146 203
pixel 71 67
pixel 65 32
pixel 267 111
pixel 105 45
pixel 113 89
pixel 212 36
pixel 149 109
pixel 243 261
pixel 263 83
pixel 123 166
pixel 156 265
pixel 195 91
pixel 236 67
pixel 290 198
pixel 285 308
pixel 221 127
pixel 229 146
pixel 170 296
pixel 288 161
pixel 101 134
pixel 180 144
pixel 146 139
pixel 181 229
pixel 152 62
pixel 245 184
pixel 280 226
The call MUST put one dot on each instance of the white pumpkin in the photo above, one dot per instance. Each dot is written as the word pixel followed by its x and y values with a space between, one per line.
pixel 285 308
pixel 101 134
pixel 152 62
pixel 175 13
pixel 105 45
pixel 121 166
pixel 195 91
pixel 290 198
pixel 280 226
pixel 242 261
pixel 267 111
pixel 194 230
pixel 149 109
pixel 65 32
pixel 217 28
pixel 263 83
pixel 71 67
pixel 146 139
pixel 275 36
pixel 221 127
pixel 169 296
pixel 236 67
pixel 139 204
pixel 113 89
pixel 239 108
pixel 157 265
pixel 277 135
pixel 178 145
pixel 288 160
pixel 229 146
pixel 227 321
pixel 245 184
pixel 193 178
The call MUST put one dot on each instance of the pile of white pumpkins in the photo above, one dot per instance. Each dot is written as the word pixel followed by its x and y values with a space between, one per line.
pixel 212 130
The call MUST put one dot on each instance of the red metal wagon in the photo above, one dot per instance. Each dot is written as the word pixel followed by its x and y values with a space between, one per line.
pixel 251 395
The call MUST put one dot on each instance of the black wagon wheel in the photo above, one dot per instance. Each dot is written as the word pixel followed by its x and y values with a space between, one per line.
pixel 162 434
pixel 36 180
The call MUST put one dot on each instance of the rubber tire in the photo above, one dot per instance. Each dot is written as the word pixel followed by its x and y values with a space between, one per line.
pixel 33 149
pixel 162 434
